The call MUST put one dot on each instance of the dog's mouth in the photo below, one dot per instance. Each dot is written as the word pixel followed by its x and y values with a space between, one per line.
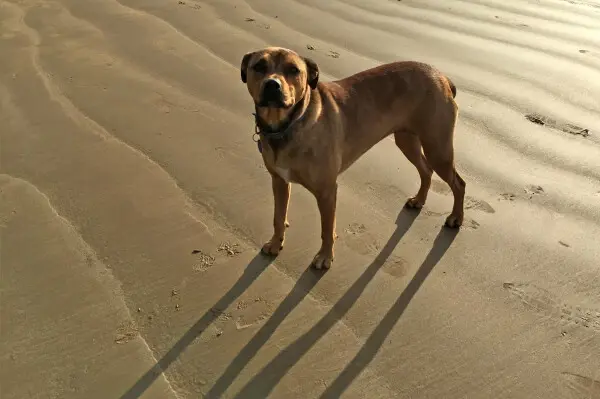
pixel 272 101
pixel 272 95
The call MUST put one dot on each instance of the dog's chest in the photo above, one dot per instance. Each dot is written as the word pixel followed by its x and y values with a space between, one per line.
pixel 284 173
pixel 280 164
pixel 282 168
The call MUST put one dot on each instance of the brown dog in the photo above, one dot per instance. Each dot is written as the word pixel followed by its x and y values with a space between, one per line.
pixel 310 131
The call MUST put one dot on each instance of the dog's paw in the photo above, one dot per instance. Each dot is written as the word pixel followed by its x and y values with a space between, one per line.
pixel 272 247
pixel 454 221
pixel 322 260
pixel 414 203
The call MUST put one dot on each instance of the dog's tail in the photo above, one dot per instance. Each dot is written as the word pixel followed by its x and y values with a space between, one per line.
pixel 452 87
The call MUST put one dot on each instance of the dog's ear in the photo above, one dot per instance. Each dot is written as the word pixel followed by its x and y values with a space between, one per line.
pixel 244 66
pixel 312 70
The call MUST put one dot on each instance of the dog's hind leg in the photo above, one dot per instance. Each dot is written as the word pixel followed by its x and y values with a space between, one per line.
pixel 448 173
pixel 410 145
pixel 440 156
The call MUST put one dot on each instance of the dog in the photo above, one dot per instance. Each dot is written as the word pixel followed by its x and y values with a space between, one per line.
pixel 309 131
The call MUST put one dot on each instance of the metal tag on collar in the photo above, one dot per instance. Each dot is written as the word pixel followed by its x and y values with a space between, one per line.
pixel 256 138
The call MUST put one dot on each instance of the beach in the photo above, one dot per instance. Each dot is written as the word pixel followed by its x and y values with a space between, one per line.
pixel 134 203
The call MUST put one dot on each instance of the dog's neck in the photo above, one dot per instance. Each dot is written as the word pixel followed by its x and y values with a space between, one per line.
pixel 282 129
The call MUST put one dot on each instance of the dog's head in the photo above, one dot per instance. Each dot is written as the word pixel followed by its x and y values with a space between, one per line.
pixel 278 78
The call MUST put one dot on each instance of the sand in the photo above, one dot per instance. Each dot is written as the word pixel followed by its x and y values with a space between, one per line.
pixel 134 202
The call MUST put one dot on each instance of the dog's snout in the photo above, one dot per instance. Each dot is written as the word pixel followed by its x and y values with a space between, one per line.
pixel 272 93
pixel 272 86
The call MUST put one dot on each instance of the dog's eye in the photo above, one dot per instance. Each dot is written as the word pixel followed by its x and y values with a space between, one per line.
pixel 292 70
pixel 260 67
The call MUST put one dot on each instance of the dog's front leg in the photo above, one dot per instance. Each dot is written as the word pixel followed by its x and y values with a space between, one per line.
pixel 281 197
pixel 326 200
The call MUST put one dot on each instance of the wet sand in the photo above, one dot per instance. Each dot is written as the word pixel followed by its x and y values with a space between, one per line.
pixel 133 203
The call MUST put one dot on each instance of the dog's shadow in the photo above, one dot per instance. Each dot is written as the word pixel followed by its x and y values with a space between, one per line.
pixel 374 342
pixel 303 286
pixel 254 269
pixel 263 383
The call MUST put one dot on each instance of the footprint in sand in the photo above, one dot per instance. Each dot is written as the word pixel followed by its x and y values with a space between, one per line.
pixel 356 228
pixel 508 196
pixel 582 386
pixel 204 261
pixel 222 322
pixel 330 53
pixel 470 202
pixel 396 266
pixel 210 333
pixel 126 332
pixel 382 190
pixel 470 224
pixel 440 187
pixel 229 249
pixel 533 190
pixel 191 5
pixel 563 126
pixel 433 213
pixel 259 24
pixel 359 239
pixel 252 312
pixel 548 304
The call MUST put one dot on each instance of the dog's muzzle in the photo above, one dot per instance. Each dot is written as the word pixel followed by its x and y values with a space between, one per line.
pixel 272 94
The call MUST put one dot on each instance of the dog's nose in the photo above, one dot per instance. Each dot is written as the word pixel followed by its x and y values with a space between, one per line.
pixel 272 86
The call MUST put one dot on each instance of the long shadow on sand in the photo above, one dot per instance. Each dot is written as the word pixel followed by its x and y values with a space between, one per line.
pixel 253 270
pixel 302 287
pixel 372 345
pixel 261 385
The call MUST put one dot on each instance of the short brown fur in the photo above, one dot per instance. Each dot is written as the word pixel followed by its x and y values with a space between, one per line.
pixel 339 121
